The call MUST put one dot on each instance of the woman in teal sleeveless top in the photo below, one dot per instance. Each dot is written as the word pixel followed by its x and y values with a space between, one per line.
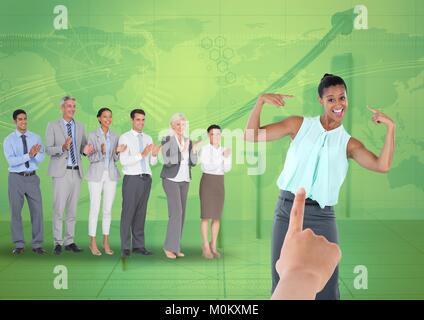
pixel 317 160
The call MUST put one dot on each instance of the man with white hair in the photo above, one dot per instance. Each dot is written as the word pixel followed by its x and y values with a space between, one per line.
pixel 65 143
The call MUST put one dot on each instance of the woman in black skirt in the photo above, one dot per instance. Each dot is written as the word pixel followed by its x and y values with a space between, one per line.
pixel 317 160
pixel 215 161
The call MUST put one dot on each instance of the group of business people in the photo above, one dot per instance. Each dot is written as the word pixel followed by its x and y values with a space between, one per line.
pixel 66 143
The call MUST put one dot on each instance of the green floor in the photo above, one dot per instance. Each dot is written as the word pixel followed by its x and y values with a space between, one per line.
pixel 392 251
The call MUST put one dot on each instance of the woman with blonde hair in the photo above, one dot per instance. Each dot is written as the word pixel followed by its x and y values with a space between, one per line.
pixel 179 155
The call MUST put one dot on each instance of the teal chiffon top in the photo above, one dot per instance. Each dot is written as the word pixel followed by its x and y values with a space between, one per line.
pixel 317 161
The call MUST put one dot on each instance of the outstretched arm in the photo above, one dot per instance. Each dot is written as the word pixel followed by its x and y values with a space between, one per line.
pixel 254 132
pixel 364 157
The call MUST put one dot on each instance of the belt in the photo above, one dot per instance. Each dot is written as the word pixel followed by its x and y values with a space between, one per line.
pixel 141 175
pixel 288 196
pixel 26 174
pixel 72 168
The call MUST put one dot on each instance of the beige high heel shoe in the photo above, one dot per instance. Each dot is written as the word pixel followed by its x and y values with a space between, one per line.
pixel 95 252
pixel 206 252
pixel 169 254
pixel 215 253
pixel 109 251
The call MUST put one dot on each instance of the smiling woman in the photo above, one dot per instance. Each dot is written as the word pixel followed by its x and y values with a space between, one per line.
pixel 332 92
pixel 102 177
pixel 318 144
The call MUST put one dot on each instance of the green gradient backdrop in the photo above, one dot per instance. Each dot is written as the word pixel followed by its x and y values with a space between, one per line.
pixel 209 59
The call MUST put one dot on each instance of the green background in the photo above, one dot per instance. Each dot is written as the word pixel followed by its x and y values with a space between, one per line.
pixel 210 60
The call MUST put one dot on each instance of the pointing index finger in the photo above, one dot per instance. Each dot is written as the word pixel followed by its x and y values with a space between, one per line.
pixel 297 211
pixel 371 109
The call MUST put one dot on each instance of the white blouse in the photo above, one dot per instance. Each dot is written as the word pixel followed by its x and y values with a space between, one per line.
pixel 183 172
pixel 213 161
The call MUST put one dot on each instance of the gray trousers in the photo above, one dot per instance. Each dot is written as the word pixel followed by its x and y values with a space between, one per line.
pixel 66 192
pixel 321 221
pixel 135 195
pixel 21 187
pixel 176 195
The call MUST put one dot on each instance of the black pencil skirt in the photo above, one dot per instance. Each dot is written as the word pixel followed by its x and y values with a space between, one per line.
pixel 321 221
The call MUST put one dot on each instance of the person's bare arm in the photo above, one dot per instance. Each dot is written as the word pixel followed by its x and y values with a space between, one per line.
pixel 367 159
pixel 254 132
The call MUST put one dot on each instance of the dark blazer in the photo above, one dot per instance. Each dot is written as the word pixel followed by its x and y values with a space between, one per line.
pixel 172 157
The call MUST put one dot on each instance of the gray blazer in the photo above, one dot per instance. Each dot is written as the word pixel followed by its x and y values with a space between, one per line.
pixel 97 164
pixel 55 138
pixel 172 157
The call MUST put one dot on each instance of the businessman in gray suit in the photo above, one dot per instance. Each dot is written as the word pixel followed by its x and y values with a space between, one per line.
pixel 65 142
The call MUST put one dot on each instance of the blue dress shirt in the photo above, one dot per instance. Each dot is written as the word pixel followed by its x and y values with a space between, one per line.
pixel 14 151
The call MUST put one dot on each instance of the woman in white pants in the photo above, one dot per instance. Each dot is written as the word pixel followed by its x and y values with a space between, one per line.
pixel 102 178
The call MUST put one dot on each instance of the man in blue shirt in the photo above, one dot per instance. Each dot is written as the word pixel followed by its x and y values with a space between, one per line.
pixel 24 151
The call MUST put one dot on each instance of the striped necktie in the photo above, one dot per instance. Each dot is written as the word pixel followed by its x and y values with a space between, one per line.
pixel 71 147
